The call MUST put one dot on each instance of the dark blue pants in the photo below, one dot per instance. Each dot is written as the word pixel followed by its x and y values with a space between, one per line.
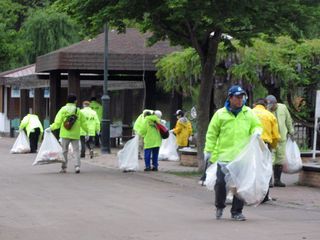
pixel 147 157
pixel 221 194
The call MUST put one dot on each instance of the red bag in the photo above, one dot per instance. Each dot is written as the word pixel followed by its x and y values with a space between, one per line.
pixel 164 132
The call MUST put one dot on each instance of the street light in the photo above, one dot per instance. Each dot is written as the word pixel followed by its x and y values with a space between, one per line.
pixel 105 134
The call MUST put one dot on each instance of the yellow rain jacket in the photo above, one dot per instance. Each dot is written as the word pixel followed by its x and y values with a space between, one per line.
pixel 270 133
pixel 183 130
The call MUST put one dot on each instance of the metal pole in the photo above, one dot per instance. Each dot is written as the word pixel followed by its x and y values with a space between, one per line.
pixel 105 135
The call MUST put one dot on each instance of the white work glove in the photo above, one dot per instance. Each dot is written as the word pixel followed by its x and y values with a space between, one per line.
pixel 291 136
pixel 171 131
pixel 257 133
pixel 86 138
pixel 47 130
pixel 190 139
pixel 207 156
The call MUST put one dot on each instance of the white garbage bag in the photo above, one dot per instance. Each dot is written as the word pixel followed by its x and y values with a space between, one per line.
pixel 168 149
pixel 249 174
pixel 22 144
pixel 128 156
pixel 292 162
pixel 50 151
pixel 211 176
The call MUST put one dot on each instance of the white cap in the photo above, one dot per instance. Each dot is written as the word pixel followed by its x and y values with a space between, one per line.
pixel 158 113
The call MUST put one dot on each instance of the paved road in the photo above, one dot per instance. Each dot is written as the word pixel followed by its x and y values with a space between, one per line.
pixel 100 203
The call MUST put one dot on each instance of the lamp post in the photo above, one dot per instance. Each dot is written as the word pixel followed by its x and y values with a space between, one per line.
pixel 105 134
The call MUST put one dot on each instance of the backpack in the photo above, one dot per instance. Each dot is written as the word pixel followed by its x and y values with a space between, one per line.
pixel 70 120
pixel 163 130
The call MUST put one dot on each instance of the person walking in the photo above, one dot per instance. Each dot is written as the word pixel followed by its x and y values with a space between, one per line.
pixel 69 119
pixel 286 129
pixel 182 130
pixel 93 124
pixel 270 134
pixel 229 131
pixel 34 129
pixel 151 139
pixel 97 107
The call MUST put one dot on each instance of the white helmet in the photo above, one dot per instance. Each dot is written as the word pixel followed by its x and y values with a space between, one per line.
pixel 158 113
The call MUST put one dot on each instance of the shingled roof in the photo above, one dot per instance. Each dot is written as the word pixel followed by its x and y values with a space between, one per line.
pixel 127 52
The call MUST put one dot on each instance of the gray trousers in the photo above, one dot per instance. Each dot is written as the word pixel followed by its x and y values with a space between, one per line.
pixel 76 150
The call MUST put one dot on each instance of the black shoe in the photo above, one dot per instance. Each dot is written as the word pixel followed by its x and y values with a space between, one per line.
pixel 82 155
pixel 238 217
pixel 154 169
pixel 219 213
pixel 147 169
pixel 91 153
pixel 278 183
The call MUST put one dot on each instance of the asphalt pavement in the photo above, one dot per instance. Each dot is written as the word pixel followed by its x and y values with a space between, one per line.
pixel 102 202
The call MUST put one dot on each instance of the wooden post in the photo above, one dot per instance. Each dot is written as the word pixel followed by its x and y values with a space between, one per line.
pixel 24 102
pixel 74 84
pixel 55 94
pixel 39 103
pixel 176 103
pixel 150 100
pixel 127 114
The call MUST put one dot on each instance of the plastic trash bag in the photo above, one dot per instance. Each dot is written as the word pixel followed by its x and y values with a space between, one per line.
pixel 168 149
pixel 128 156
pixel 211 177
pixel 50 151
pixel 292 162
pixel 249 174
pixel 22 144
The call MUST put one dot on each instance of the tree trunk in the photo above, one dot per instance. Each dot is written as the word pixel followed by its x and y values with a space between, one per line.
pixel 208 66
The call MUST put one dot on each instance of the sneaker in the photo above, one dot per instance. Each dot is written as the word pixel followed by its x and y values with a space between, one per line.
pixel 147 169
pixel 77 170
pixel 219 213
pixel 63 170
pixel 154 169
pixel 238 217
pixel 91 153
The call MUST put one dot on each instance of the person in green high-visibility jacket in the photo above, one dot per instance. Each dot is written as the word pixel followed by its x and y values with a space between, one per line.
pixel 93 124
pixel 286 129
pixel 151 139
pixel 228 133
pixel 97 107
pixel 69 136
pixel 34 129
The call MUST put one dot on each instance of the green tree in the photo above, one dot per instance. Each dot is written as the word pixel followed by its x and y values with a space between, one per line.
pixel 9 47
pixel 46 30
pixel 201 25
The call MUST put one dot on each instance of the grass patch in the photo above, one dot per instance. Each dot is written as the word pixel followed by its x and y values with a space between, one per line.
pixel 187 174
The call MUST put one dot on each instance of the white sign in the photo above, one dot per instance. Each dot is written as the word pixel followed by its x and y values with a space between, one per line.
pixel 316 117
